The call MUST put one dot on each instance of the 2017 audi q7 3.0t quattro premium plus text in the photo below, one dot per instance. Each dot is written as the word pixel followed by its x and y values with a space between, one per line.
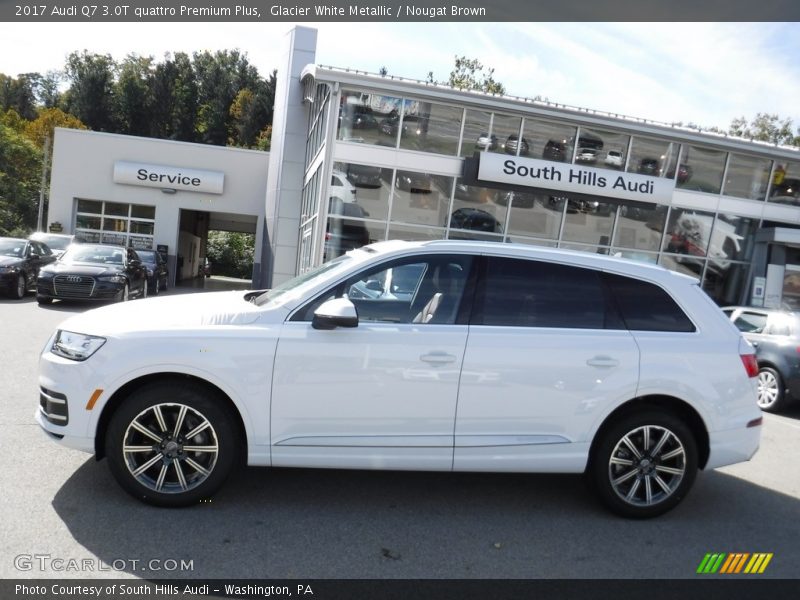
pixel 445 356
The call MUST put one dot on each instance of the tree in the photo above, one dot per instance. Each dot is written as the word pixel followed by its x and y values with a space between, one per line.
pixel 18 95
pixel 20 168
pixel 133 95
pixel 765 127
pixel 251 112
pixel 91 93
pixel 468 74
pixel 220 76
pixel 231 253
pixel 44 125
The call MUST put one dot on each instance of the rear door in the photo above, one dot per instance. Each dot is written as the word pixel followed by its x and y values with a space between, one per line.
pixel 546 356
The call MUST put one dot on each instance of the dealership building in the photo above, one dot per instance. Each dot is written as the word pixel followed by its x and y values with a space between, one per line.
pixel 359 157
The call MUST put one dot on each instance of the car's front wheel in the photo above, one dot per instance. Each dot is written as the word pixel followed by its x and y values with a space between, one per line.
pixel 20 287
pixel 171 444
pixel 771 394
pixel 124 294
pixel 644 464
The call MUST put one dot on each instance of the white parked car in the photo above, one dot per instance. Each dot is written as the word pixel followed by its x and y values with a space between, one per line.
pixel 497 357
pixel 341 187
pixel 614 158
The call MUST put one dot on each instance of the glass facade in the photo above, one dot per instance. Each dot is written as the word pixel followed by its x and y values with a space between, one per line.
pixel 368 202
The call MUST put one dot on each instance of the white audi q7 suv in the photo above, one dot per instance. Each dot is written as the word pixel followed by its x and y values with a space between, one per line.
pixel 445 356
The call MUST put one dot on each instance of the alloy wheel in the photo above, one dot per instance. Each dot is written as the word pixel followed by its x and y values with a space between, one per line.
pixel 21 287
pixel 647 465
pixel 768 389
pixel 170 448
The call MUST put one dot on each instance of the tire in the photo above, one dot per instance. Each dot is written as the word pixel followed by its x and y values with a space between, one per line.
pixel 44 300
pixel 125 294
pixel 176 476
pixel 771 391
pixel 156 287
pixel 143 293
pixel 165 287
pixel 19 289
pixel 656 480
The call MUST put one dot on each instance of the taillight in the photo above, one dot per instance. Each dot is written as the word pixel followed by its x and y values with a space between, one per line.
pixel 750 364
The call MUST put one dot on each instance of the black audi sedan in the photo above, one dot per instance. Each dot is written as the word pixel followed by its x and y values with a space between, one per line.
pixel 20 261
pixel 93 272
pixel 157 271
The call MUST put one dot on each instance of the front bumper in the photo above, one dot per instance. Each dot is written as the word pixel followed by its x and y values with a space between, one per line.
pixel 101 290
pixel 65 390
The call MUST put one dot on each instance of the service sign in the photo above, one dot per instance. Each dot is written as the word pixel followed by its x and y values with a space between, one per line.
pixel 168 178
pixel 531 172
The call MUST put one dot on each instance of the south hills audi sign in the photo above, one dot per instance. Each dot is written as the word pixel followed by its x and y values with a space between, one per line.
pixel 543 174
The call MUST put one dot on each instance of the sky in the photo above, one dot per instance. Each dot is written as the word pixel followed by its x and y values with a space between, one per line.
pixel 704 73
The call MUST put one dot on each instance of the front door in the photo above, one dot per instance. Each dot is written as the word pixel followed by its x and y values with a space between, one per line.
pixel 383 394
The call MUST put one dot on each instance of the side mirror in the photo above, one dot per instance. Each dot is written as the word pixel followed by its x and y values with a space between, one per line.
pixel 339 312
pixel 374 285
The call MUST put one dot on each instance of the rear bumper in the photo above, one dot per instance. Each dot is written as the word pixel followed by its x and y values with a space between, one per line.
pixel 733 446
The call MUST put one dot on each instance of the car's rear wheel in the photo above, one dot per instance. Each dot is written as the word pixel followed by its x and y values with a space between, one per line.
pixel 771 394
pixel 171 444
pixel 20 287
pixel 644 464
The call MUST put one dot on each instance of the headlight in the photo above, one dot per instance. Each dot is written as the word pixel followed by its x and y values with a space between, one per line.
pixel 75 346
pixel 112 278
pixel 149 272
pixel 9 269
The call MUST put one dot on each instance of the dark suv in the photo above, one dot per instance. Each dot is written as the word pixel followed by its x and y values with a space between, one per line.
pixel 776 336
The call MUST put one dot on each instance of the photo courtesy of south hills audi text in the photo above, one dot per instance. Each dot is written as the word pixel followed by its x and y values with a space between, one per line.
pixel 167 589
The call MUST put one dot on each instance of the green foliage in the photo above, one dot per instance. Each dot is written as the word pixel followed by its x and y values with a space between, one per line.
pixel 468 74
pixel 18 95
pixel 766 128
pixel 230 253
pixel 133 95
pixel 20 167
pixel 91 96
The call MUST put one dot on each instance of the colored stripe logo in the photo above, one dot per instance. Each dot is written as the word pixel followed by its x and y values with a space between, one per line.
pixel 733 563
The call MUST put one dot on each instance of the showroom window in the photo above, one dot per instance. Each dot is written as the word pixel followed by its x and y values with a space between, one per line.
pixel 367 185
pixel 785 187
pixel 549 140
pixel 420 198
pixel 430 127
pixel 478 135
pixel 700 169
pixel 640 226
pixel 115 223
pixel 650 156
pixel 747 177
pixel 369 118
pixel 602 148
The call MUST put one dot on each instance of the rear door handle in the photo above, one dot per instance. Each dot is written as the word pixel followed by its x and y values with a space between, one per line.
pixel 602 361
pixel 437 358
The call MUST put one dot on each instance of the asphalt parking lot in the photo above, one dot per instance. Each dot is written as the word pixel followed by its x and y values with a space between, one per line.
pixel 287 523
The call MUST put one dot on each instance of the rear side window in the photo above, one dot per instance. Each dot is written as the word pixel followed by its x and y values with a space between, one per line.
pixel 646 307
pixel 529 293
pixel 748 322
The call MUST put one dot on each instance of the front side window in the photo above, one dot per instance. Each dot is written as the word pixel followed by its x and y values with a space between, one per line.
pixel 416 290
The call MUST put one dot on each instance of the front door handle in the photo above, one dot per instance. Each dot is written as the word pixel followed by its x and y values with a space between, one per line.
pixel 437 358
pixel 602 361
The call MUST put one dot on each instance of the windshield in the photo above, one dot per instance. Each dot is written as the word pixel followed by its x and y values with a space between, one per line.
pixel 56 242
pixel 12 248
pixel 307 279
pixel 94 255
pixel 147 256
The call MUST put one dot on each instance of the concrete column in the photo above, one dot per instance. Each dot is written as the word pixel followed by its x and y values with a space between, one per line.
pixel 287 159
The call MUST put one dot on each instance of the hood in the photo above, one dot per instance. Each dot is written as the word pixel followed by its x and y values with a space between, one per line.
pixel 10 261
pixel 173 312
pixel 83 269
